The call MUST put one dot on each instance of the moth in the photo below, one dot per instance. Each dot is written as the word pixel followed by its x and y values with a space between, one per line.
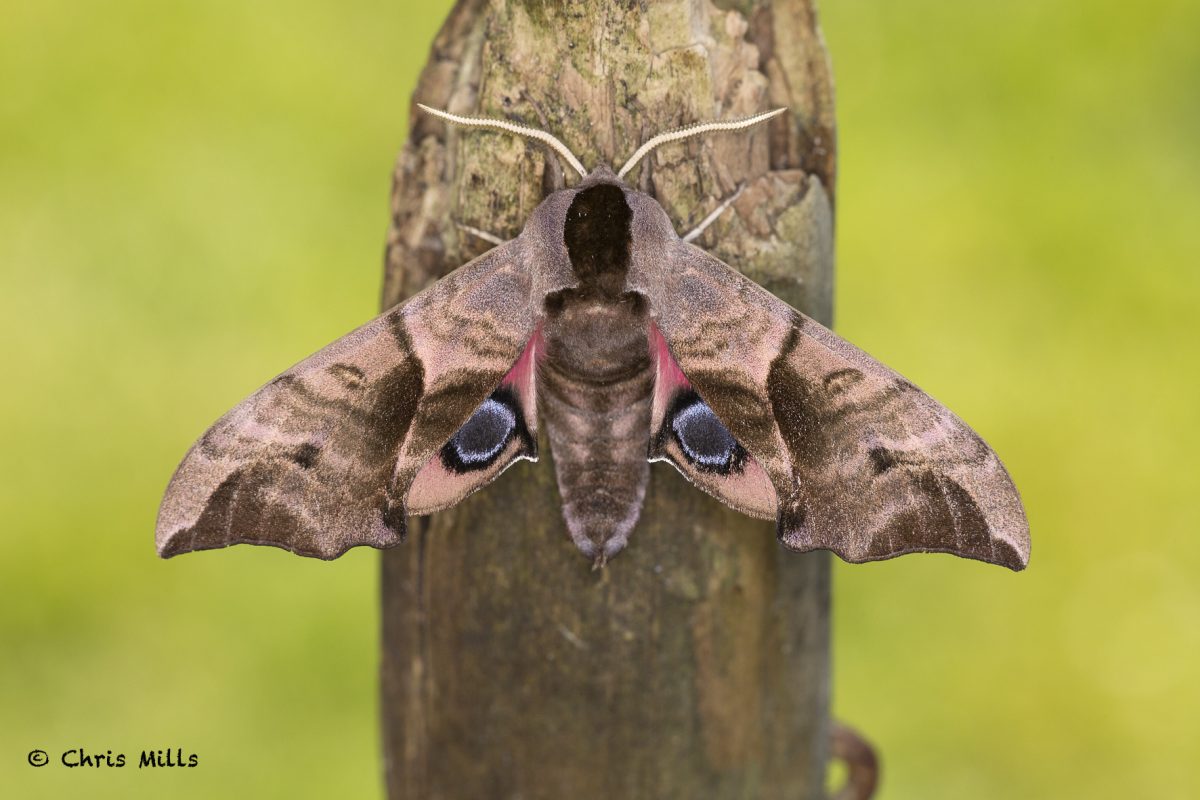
pixel 628 345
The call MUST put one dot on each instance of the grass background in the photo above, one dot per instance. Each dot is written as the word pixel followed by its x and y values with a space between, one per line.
pixel 194 194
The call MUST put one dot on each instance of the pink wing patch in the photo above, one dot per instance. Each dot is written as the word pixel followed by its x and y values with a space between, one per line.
pixel 522 378
pixel 686 432
pixel 669 379
pixel 501 431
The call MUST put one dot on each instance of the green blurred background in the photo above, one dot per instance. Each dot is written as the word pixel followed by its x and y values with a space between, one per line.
pixel 193 195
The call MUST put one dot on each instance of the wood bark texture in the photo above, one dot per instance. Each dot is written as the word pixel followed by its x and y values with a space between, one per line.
pixel 696 664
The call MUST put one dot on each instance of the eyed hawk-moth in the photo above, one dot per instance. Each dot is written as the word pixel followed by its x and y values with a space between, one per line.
pixel 629 345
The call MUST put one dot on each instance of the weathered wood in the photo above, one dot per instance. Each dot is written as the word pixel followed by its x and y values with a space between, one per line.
pixel 696 663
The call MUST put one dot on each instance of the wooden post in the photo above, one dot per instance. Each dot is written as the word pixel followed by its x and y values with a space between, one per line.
pixel 696 664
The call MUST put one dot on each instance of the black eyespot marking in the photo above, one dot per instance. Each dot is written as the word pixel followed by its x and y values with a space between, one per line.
pixel 483 437
pixel 704 439
pixel 305 455
pixel 882 460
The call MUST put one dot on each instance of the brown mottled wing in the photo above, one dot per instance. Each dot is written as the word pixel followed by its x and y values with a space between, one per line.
pixel 863 462
pixel 321 458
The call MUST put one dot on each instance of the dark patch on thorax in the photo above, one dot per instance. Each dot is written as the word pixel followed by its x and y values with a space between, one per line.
pixel 597 235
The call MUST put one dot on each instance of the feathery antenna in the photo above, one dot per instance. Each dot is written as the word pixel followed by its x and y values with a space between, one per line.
pixel 503 125
pixel 695 130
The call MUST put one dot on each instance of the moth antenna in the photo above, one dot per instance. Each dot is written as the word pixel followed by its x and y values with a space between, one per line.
pixel 504 125
pixel 695 130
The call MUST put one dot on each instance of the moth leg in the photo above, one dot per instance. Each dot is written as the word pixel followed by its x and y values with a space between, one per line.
pixel 693 234
pixel 646 181
pixel 490 238
pixel 553 178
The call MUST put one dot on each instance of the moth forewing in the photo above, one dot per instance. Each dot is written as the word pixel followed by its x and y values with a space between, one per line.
pixel 875 467
pixel 321 459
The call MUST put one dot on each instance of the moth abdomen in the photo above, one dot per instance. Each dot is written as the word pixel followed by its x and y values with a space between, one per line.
pixel 595 384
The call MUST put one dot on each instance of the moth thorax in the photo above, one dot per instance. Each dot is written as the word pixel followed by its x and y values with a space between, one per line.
pixel 597 236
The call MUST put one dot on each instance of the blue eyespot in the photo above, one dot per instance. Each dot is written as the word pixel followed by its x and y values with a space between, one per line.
pixel 484 435
pixel 704 439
